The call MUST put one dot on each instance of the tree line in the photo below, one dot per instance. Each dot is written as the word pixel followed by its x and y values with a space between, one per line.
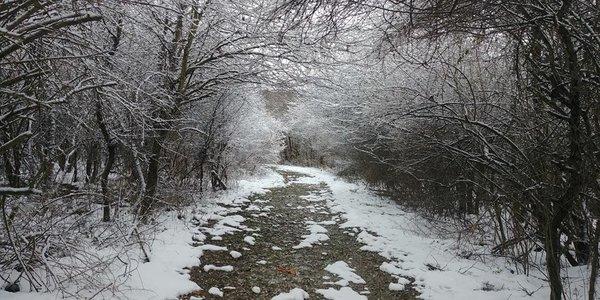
pixel 484 112
pixel 111 112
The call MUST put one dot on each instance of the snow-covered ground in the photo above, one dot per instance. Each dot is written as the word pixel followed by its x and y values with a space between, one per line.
pixel 170 251
pixel 379 223
pixel 398 235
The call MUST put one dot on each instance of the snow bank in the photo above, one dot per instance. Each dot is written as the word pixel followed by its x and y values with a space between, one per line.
pixel 344 293
pixel 316 235
pixel 343 270
pixel 217 268
pixel 171 249
pixel 294 294
pixel 250 240
pixel 215 291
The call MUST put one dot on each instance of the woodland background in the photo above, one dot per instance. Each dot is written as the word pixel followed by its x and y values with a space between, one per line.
pixel 483 115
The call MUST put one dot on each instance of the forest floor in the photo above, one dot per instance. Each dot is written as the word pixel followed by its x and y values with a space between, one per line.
pixel 293 240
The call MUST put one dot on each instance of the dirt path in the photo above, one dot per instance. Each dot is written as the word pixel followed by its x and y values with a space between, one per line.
pixel 279 221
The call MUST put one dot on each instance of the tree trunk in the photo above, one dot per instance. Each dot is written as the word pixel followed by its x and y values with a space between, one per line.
pixel 110 160
pixel 75 166
pixel 595 263
pixel 552 247
pixel 582 242
pixel 91 163
pixel 9 169
pixel 152 176
pixel 498 215
pixel 111 149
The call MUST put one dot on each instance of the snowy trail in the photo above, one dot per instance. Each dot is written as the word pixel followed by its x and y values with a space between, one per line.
pixel 287 243
pixel 313 234
pixel 298 232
